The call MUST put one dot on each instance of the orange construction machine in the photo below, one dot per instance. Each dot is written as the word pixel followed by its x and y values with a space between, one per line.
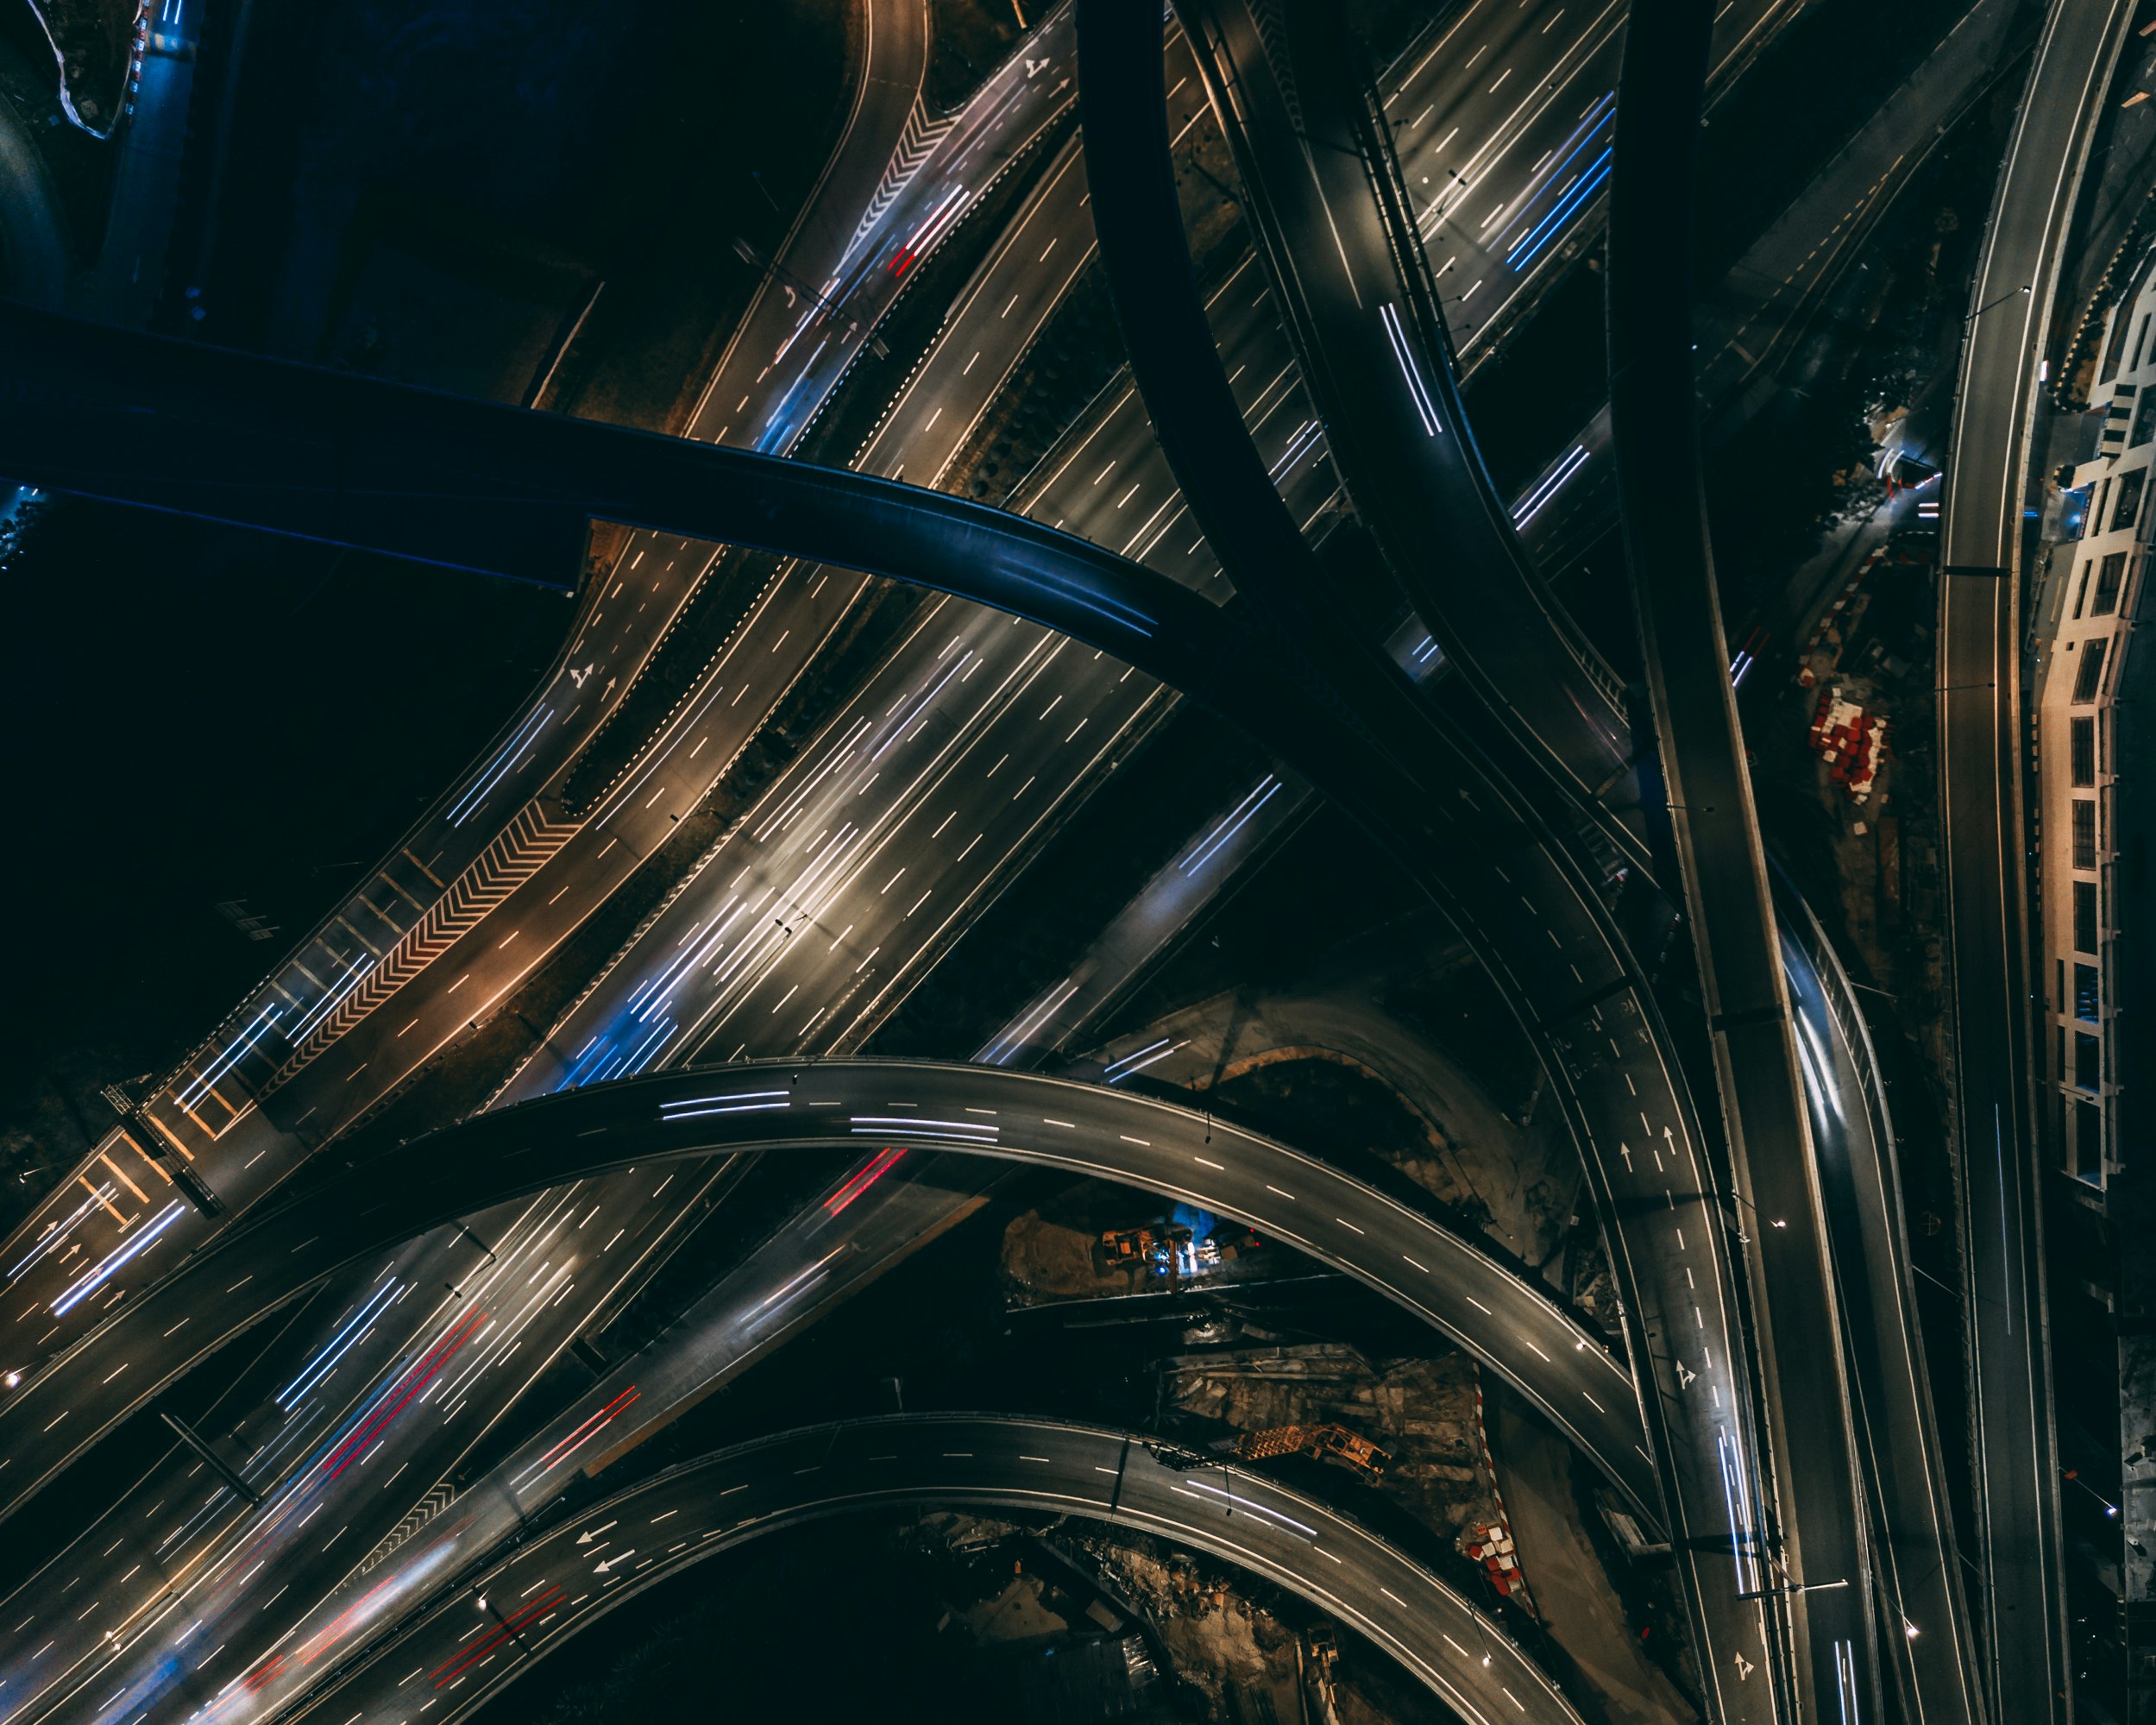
pixel 1328 1443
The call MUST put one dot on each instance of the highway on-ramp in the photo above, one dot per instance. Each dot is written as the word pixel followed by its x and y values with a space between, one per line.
pixel 1558 965
pixel 1818 1576
pixel 1337 229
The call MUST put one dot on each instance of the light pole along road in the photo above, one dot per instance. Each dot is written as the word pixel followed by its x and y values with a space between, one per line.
pixel 1820 1578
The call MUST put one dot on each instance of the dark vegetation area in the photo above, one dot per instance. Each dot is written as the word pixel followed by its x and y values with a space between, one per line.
pixel 876 1601
pixel 968 40
pixel 78 166
pixel 1889 337
pixel 429 191
pixel 201 717
pixel 1797 466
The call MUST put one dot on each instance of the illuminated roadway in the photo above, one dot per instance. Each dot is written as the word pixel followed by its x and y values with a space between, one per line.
pixel 385 909
pixel 1819 1575
pixel 468 854
pixel 218 1121
pixel 1698 1396
pixel 1600 1006
pixel 1980 742
pixel 1461 137
pixel 595 1285
pixel 531 904
pixel 1337 235
pixel 844 1105
pixel 1318 181
pixel 1853 1140
pixel 1591 1014
pixel 590 1563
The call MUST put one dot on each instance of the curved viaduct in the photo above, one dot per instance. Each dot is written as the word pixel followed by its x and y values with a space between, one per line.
pixel 841 1105
pixel 554 1585
pixel 389 467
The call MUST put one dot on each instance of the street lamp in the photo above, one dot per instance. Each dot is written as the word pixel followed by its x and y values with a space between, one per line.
pixel 506 1624
pixel 2026 287
pixel 1771 1221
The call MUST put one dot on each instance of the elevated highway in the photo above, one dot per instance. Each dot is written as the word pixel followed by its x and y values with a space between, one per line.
pixel 1706 1445
pixel 1983 521
pixel 1337 229
pixel 925 412
pixel 1321 181
pixel 1925 1631
pixel 1817 1576
pixel 890 1107
pixel 820 983
pixel 557 1582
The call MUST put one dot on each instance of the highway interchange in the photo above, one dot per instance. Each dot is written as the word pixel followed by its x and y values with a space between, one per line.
pixel 974 739
pixel 584 1568
pixel 839 1105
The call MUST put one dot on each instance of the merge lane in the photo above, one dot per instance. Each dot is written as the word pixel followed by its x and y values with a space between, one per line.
pixel 1161 521
pixel 1357 292
pixel 1464 836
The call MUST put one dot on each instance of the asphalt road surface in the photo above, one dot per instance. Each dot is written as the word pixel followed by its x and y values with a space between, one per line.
pixel 1375 355
pixel 1712 1474
pixel 1818 1577
pixel 1981 527
pixel 488 834
pixel 1916 1556
pixel 592 1562
pixel 844 1105
pixel 486 790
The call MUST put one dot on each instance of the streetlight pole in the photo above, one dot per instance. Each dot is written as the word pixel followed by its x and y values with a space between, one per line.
pixel 505 1623
pixel 2000 301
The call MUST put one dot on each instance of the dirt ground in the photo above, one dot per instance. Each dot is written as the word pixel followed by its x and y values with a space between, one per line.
pixel 1423 1411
